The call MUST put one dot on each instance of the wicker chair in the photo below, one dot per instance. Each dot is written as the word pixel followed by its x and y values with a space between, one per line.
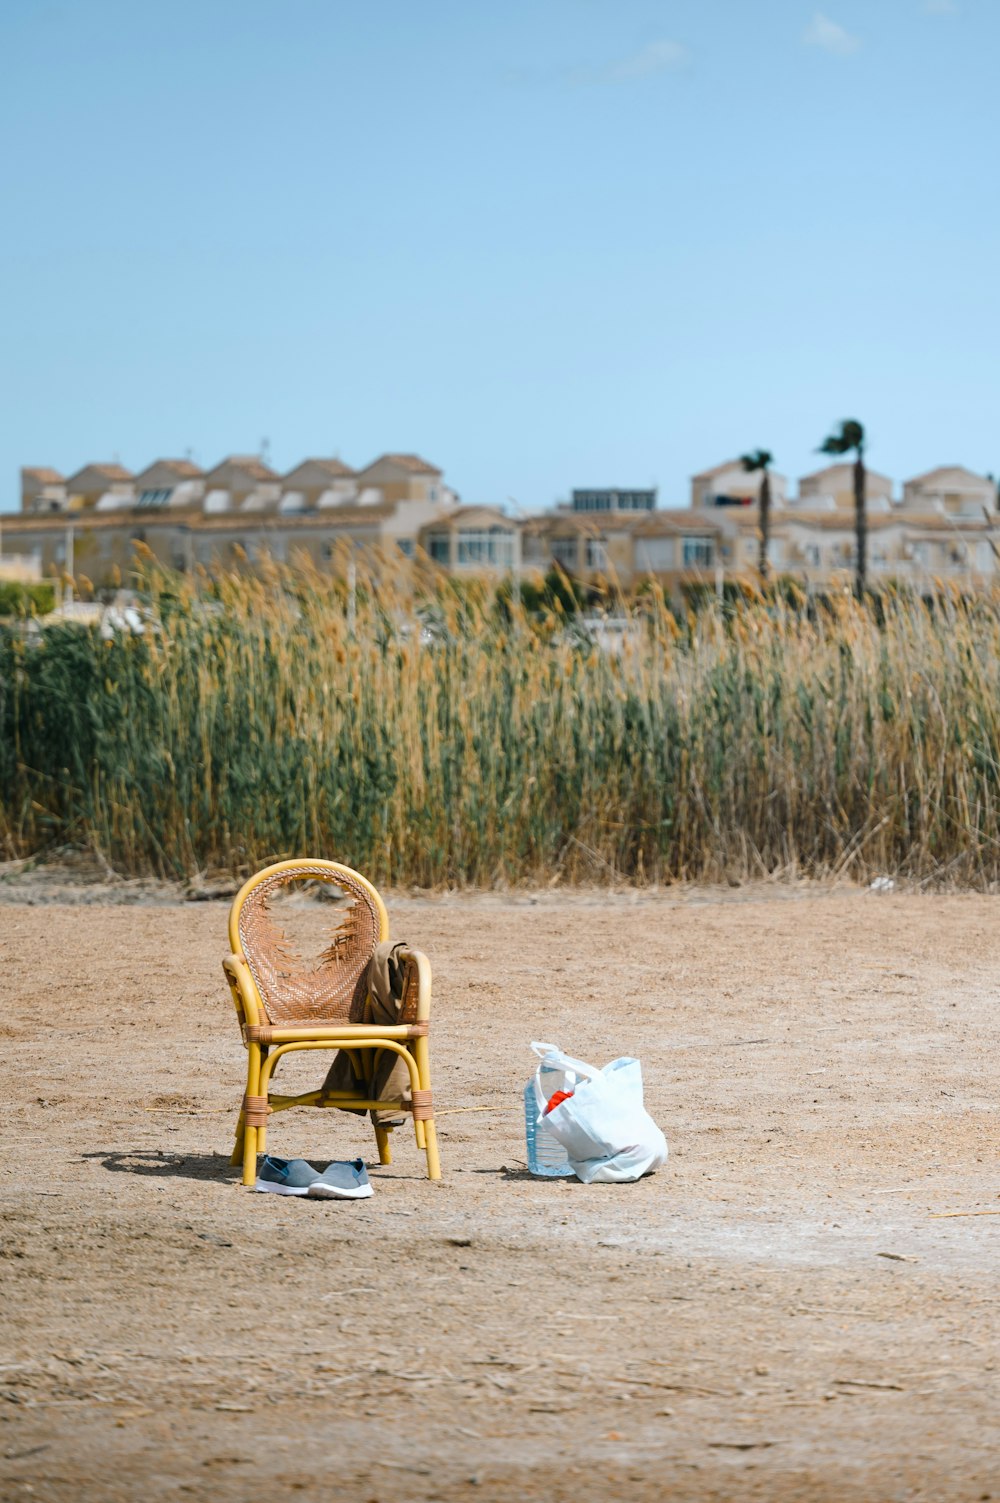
pixel 284 1004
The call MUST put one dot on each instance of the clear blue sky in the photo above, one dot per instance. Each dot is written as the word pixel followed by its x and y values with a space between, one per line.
pixel 544 243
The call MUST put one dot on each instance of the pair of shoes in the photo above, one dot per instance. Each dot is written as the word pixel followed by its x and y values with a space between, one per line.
pixel 338 1181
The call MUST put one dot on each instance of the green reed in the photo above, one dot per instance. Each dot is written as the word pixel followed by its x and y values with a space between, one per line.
pixel 434 737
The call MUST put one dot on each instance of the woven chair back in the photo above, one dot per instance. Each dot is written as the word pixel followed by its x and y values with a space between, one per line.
pixel 331 989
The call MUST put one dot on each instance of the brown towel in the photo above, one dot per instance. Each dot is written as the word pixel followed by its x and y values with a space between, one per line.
pixel 391 1079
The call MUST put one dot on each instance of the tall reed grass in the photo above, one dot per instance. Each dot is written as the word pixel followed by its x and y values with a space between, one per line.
pixel 437 739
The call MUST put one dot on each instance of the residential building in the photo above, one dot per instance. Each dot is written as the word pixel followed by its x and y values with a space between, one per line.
pixel 318 482
pixel 473 540
pixel 166 482
pixel 942 530
pixel 240 508
pixel 833 488
pixel 587 546
pixel 678 547
pixel 243 482
pixel 729 484
pixel 406 477
pixel 42 489
pixel 952 490
pixel 87 488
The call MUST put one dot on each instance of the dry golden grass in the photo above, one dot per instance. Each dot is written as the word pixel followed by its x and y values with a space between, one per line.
pixel 435 737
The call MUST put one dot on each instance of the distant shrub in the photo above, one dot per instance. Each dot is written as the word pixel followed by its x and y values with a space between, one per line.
pixel 25 599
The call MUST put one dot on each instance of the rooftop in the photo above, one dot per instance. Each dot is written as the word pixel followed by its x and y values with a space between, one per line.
pixel 412 462
pixel 251 464
pixel 106 471
pixel 185 467
pixel 335 468
pixel 43 473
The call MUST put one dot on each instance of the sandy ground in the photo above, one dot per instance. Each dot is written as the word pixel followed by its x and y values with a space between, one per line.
pixel 777 1315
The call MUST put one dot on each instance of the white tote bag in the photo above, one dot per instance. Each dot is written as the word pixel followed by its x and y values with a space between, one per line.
pixel 604 1127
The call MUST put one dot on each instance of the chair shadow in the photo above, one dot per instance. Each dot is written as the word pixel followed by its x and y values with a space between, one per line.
pixel 165 1165
pixel 211 1167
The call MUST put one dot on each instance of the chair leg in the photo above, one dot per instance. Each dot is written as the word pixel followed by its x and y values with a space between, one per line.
pixel 237 1154
pixel 422 1056
pixel 433 1162
pixel 384 1149
pixel 262 1130
pixel 250 1133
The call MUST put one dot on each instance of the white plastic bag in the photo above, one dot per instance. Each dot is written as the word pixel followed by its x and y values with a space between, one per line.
pixel 604 1127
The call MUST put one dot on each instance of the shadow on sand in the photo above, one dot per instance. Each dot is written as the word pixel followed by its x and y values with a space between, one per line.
pixel 166 1165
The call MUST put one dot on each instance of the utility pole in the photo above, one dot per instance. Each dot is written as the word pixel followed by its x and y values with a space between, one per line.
pixel 516 562
pixel 70 565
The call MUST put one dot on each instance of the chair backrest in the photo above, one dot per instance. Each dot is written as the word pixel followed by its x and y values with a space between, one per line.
pixel 292 989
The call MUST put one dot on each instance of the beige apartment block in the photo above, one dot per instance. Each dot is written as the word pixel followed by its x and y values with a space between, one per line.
pixel 729 484
pixel 405 477
pixel 177 483
pixel 952 490
pixel 945 530
pixel 588 546
pixel 102 547
pixel 833 488
pixel 87 488
pixel 681 547
pixel 473 540
pixel 42 489
pixel 318 483
pixel 238 511
pixel 243 482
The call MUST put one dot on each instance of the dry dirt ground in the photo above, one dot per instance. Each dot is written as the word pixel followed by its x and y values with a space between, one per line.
pixel 782 1313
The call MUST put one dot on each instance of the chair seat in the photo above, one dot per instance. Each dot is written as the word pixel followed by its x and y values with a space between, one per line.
pixel 286 1033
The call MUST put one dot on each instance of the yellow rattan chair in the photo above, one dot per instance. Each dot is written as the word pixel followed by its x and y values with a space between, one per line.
pixel 284 1004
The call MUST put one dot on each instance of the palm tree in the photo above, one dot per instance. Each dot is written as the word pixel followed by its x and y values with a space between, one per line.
pixel 851 435
pixel 761 459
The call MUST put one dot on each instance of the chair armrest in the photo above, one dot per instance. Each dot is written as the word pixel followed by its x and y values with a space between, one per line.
pixel 419 960
pixel 243 990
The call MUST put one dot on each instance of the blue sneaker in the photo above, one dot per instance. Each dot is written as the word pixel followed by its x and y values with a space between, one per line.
pixel 342 1181
pixel 285 1176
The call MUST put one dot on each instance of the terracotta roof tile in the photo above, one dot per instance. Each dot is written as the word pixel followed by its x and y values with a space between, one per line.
pixel 251 463
pixel 412 462
pixel 43 473
pixel 107 471
pixel 185 467
pixel 335 468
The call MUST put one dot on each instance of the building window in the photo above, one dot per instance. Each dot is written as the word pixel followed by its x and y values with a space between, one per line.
pixel 699 553
pixel 482 546
pixel 154 498
pixel 439 547
pixel 597 553
pixel 564 552
pixel 614 500
pixel 405 546
pixel 811 553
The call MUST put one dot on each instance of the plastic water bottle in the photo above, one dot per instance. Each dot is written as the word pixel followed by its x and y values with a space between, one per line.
pixel 546 1155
